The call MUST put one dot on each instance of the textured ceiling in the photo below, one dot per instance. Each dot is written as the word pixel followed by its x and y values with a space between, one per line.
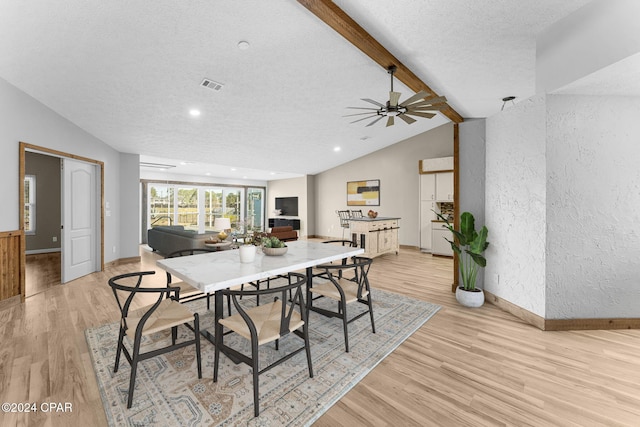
pixel 128 72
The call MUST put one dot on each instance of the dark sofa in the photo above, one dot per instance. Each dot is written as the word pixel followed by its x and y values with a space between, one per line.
pixel 170 238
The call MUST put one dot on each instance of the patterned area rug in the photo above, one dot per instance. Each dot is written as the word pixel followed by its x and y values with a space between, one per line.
pixel 168 392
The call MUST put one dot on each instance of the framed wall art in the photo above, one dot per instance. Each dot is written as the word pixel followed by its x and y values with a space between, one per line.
pixel 363 193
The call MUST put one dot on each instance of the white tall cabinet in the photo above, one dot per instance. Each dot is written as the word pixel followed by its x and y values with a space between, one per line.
pixel 427 206
pixel 436 185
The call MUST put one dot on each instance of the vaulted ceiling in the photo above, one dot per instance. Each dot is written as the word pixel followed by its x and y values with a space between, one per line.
pixel 129 72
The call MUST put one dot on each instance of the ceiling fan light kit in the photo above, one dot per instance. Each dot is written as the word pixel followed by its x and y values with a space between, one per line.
pixel 417 105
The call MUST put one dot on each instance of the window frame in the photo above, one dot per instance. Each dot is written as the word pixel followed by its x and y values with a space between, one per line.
pixel 30 204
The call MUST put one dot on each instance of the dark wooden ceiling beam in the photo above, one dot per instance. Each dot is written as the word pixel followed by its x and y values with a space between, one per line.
pixel 342 23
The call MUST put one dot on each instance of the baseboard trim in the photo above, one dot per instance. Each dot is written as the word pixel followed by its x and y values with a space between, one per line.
pixel 590 324
pixel 561 324
pixel 42 251
pixel 121 261
pixel 519 312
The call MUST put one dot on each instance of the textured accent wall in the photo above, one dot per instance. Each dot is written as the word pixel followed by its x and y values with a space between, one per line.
pixel 515 205
pixel 593 207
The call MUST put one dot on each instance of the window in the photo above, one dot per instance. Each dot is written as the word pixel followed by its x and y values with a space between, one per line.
pixel 196 206
pixel 161 205
pixel 30 204
pixel 188 208
pixel 255 208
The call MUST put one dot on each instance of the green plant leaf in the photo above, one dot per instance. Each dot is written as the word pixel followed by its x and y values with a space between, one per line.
pixel 467 226
pixel 454 247
pixel 477 258
pixel 479 243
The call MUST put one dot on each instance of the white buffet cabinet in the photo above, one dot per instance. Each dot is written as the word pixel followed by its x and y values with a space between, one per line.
pixel 377 235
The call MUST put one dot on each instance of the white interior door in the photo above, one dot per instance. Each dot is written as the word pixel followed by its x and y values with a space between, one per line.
pixel 78 219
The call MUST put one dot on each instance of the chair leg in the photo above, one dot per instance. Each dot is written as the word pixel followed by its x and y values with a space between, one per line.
pixel 216 359
pixel 134 368
pixel 256 394
pixel 174 335
pixel 307 346
pixel 208 302
pixel 344 324
pixel 119 350
pixel 196 329
pixel 373 325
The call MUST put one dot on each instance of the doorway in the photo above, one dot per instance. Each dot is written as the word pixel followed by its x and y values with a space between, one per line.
pixel 79 249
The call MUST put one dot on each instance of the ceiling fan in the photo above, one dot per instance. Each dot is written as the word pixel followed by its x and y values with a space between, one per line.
pixel 417 105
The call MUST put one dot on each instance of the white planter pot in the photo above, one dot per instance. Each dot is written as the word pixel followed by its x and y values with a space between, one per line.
pixel 247 253
pixel 471 299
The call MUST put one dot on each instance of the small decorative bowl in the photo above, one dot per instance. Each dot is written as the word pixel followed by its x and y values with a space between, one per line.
pixel 275 251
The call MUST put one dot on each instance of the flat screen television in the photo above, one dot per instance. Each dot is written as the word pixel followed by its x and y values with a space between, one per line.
pixel 287 205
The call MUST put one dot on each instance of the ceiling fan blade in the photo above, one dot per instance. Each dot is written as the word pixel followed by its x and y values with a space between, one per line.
pixel 362 108
pixel 420 114
pixel 364 118
pixel 406 118
pixel 373 102
pixel 390 121
pixel 418 96
pixel 360 114
pixel 394 97
pixel 427 107
pixel 433 100
pixel 426 104
pixel 375 121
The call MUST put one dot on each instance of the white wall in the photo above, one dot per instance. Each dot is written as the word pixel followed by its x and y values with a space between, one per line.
pixel 471 172
pixel 396 167
pixel 294 187
pixel 27 120
pixel 129 203
pixel 515 204
pixel 593 207
pixel 595 36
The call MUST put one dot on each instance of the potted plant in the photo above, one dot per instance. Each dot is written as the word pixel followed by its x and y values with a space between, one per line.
pixel 273 246
pixel 469 244
pixel 247 249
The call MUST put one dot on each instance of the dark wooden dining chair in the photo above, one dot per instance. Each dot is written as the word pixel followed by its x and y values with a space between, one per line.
pixel 264 324
pixel 187 292
pixel 345 283
pixel 343 242
pixel 164 313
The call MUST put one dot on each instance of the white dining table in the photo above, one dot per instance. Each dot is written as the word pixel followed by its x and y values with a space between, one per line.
pixel 211 272
pixel 216 271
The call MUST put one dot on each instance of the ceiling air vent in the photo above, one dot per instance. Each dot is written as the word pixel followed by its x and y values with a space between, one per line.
pixel 156 165
pixel 210 84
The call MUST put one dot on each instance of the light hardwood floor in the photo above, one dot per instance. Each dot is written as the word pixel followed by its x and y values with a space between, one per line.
pixel 42 271
pixel 464 367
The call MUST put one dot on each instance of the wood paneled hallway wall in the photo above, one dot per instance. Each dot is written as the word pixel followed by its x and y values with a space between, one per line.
pixel 464 367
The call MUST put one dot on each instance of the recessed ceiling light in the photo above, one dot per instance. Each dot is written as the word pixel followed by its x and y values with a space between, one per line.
pixel 272 173
pixel 194 112
pixel 243 45
pixel 336 148
pixel 244 177
pixel 233 169
pixel 208 173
